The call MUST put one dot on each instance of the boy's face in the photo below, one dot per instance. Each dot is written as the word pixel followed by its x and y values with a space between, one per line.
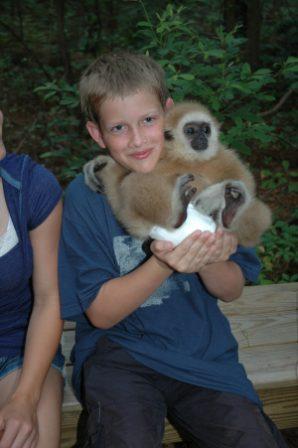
pixel 132 128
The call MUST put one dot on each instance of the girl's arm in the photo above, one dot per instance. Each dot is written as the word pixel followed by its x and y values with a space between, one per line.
pixel 18 417
pixel 45 327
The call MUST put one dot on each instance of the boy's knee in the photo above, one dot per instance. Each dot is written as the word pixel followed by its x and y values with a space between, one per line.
pixel 132 425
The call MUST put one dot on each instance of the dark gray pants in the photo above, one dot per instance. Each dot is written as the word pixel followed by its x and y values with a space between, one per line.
pixel 127 404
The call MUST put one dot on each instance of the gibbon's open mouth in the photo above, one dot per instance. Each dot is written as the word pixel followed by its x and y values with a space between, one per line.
pixel 234 198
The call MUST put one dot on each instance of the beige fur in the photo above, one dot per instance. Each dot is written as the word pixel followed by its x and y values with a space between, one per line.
pixel 140 201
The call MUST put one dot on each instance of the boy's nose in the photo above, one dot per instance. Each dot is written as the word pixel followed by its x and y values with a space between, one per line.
pixel 136 137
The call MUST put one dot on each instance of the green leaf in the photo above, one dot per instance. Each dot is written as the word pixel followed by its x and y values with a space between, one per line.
pixel 187 76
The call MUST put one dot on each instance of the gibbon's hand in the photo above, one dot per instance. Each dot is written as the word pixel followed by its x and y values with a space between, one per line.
pixel 18 424
pixel 196 251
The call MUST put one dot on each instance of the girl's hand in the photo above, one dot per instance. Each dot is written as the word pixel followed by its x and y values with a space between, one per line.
pixel 18 424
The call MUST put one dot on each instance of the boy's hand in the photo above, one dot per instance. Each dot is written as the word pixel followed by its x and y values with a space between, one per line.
pixel 225 244
pixel 196 251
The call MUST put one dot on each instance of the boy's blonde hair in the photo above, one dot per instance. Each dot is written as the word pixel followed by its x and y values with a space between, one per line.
pixel 117 75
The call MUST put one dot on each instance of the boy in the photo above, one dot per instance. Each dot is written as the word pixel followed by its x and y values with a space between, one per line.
pixel 151 340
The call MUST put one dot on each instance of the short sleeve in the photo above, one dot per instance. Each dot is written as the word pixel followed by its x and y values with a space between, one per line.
pixel 86 256
pixel 43 194
pixel 248 261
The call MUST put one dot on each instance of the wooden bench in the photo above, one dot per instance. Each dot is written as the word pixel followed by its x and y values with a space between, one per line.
pixel 264 321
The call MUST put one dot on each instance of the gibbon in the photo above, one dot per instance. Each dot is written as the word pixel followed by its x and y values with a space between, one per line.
pixel 194 168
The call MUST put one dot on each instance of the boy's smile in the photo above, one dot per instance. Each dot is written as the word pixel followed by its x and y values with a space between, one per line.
pixel 132 128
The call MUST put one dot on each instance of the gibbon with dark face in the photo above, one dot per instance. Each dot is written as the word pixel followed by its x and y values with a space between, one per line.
pixel 194 167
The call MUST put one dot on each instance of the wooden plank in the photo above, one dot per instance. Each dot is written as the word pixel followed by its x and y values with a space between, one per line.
pixel 67 342
pixel 170 434
pixel 270 364
pixel 255 329
pixel 281 403
pixel 68 427
pixel 69 399
pixel 263 299
pixel 68 325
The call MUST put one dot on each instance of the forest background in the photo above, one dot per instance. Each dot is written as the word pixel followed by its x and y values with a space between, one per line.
pixel 238 57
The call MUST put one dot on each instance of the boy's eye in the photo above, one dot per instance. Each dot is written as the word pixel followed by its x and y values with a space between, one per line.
pixel 149 120
pixel 117 128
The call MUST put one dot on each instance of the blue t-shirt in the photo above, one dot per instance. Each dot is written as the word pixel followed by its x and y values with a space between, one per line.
pixel 31 192
pixel 178 331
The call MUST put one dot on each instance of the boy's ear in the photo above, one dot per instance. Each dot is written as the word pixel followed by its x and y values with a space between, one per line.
pixel 169 103
pixel 95 133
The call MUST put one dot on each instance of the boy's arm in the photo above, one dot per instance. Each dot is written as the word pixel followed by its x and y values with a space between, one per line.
pixel 208 255
pixel 222 278
pixel 89 272
pixel 133 289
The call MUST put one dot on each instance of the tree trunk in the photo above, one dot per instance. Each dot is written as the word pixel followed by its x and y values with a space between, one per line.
pixel 59 4
pixel 20 16
pixel 234 12
pixel 229 12
pixel 254 20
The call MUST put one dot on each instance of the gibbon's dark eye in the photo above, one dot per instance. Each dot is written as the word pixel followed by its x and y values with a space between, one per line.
pixel 168 135
pixel 205 127
pixel 189 131
pixel 191 128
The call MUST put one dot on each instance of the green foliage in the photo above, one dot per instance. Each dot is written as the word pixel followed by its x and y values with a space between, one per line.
pixel 202 61
pixel 289 70
pixel 211 70
pixel 63 130
pixel 279 252
pixel 285 178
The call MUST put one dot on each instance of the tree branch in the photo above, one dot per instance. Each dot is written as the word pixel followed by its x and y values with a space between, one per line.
pixel 278 105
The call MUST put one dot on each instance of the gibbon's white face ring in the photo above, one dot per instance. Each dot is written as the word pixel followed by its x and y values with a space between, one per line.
pixel 182 143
